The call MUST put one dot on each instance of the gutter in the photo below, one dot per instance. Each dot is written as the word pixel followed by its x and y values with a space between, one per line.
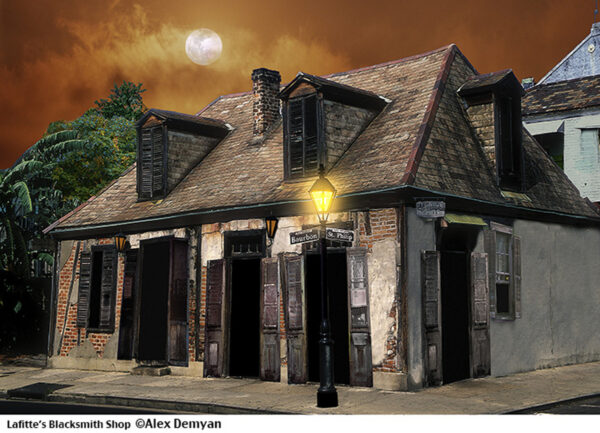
pixel 390 197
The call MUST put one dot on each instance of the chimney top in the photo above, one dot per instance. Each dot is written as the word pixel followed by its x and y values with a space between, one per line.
pixel 265 88
pixel 527 83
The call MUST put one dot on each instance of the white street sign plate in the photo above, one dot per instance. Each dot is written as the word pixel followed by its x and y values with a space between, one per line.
pixel 302 236
pixel 431 209
pixel 334 234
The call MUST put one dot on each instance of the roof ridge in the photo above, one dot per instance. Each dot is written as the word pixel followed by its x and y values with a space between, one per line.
pixel 418 149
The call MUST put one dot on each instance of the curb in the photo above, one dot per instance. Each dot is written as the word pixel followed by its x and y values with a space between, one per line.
pixel 530 410
pixel 168 405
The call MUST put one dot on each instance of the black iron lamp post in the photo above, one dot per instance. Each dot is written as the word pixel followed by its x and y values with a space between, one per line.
pixel 323 193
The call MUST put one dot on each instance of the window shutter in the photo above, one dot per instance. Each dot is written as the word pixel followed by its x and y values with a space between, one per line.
pixel 83 302
pixel 302 136
pixel 145 187
pixel 361 370
pixel 214 341
pixel 107 289
pixel 269 332
pixel 157 161
pixel 516 280
pixel 430 280
pixel 479 326
pixel 311 151
pixel 295 129
pixel 178 304
pixel 489 241
pixel 295 318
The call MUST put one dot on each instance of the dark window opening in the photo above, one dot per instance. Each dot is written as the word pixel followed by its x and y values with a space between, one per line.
pixel 245 243
pixel 509 143
pixel 95 290
pixel 502 298
pixel 302 141
pixel 553 144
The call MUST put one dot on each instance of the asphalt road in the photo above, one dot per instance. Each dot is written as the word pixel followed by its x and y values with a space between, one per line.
pixel 583 406
pixel 29 407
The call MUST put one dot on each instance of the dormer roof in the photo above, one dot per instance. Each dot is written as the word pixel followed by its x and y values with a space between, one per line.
pixel 187 122
pixel 336 91
pixel 503 81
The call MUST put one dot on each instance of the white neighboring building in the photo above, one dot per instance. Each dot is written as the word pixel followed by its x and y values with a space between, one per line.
pixel 563 113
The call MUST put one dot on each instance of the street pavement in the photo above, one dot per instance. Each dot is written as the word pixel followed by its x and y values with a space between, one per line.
pixel 488 395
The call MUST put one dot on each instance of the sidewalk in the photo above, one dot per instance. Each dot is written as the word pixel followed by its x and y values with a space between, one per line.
pixel 242 396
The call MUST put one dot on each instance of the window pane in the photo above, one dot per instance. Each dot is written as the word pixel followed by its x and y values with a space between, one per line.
pixel 502 253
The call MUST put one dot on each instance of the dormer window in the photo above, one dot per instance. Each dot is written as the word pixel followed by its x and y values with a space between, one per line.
pixel 303 148
pixel 170 144
pixel 494 108
pixel 321 119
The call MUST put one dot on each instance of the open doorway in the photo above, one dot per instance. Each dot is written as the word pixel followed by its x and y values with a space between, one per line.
pixel 338 298
pixel 456 246
pixel 153 304
pixel 244 338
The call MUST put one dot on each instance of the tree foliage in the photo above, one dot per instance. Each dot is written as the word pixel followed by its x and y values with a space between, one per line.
pixel 124 101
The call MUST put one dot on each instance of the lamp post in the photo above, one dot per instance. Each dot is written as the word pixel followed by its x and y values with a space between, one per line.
pixel 323 193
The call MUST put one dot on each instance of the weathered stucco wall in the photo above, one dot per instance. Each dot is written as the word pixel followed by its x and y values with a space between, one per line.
pixel 420 236
pixel 560 301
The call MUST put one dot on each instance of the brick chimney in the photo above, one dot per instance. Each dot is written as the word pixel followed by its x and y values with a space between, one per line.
pixel 265 87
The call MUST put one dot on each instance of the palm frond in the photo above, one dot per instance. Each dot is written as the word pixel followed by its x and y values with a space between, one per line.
pixel 64 147
pixel 22 196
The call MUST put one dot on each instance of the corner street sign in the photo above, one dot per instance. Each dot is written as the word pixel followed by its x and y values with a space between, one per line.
pixel 431 209
pixel 302 236
pixel 339 235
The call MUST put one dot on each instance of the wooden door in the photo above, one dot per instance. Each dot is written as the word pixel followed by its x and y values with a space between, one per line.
pixel 215 340
pixel 479 329
pixel 295 317
pixel 177 341
pixel 269 320
pixel 432 313
pixel 361 370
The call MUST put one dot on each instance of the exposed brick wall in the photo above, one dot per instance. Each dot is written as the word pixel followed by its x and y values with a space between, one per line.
pixel 73 334
pixel 376 225
pixel 202 320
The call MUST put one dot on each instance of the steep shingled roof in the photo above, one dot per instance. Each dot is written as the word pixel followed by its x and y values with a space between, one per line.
pixel 420 138
pixel 573 94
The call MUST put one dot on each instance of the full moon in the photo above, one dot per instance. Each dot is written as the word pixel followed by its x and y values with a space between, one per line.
pixel 203 46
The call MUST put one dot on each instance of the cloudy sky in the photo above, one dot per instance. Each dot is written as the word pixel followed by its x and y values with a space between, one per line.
pixel 57 57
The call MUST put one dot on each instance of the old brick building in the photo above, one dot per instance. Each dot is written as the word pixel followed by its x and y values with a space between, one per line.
pixel 493 282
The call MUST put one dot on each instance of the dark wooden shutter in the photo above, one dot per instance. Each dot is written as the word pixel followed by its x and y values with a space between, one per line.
pixel 479 323
pixel 295 317
pixel 178 291
pixel 83 300
pixel 516 277
pixel 361 369
pixel 430 279
pixel 303 135
pixel 489 241
pixel 145 164
pixel 151 164
pixel 269 308
pixel 295 137
pixel 108 289
pixel 215 302
pixel 157 161
pixel 311 150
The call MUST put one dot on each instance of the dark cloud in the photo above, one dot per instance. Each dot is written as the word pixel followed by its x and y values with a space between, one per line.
pixel 58 57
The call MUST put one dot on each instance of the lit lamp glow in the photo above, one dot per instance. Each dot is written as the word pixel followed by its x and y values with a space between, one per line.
pixel 120 241
pixel 322 193
pixel 271 223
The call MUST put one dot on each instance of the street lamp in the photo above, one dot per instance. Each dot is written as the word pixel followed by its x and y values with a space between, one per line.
pixel 120 242
pixel 323 193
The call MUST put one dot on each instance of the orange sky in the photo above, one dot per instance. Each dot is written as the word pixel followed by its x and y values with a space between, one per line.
pixel 57 57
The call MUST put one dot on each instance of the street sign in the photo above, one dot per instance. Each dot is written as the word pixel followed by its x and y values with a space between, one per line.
pixel 431 209
pixel 334 234
pixel 302 236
